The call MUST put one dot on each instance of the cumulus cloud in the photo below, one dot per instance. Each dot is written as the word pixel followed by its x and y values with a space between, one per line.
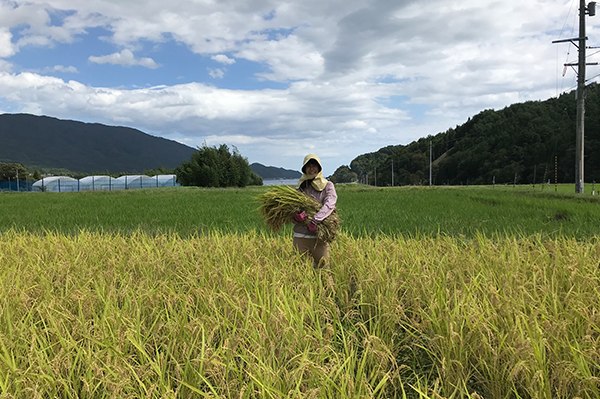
pixel 124 58
pixel 6 47
pixel 223 59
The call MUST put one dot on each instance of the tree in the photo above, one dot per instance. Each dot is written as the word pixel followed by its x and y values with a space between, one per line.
pixel 37 175
pixel 343 174
pixel 255 179
pixel 216 167
pixel 12 171
pixel 161 170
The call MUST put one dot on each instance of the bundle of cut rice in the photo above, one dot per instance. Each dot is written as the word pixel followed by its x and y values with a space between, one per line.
pixel 279 204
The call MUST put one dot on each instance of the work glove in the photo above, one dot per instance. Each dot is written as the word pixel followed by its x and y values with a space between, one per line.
pixel 312 226
pixel 300 216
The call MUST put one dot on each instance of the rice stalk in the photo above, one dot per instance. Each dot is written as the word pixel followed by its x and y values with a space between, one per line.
pixel 280 204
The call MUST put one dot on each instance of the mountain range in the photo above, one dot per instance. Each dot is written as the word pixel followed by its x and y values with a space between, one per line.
pixel 49 143
pixel 272 172
pixel 45 142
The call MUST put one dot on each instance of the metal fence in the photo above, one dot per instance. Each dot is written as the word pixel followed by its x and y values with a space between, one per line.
pixel 14 186
pixel 63 184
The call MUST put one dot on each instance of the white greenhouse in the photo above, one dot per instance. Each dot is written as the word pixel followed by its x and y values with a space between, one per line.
pixel 143 181
pixel 166 181
pixel 56 184
pixel 103 183
pixel 97 183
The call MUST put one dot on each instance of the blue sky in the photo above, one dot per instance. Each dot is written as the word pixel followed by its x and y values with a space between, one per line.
pixel 280 79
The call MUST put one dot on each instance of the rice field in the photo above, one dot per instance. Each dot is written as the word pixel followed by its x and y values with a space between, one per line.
pixel 124 307
pixel 365 211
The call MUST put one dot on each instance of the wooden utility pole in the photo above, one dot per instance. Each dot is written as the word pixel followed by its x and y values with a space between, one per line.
pixel 581 64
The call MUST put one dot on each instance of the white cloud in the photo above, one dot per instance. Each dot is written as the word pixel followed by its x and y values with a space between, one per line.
pixel 58 68
pixel 216 73
pixel 6 47
pixel 5 66
pixel 124 58
pixel 288 58
pixel 223 59
pixel 69 69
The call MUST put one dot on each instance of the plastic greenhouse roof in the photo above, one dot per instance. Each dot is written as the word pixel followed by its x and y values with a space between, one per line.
pixel 95 178
pixel 51 179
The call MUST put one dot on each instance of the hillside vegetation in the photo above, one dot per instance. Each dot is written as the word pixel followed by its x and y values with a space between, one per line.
pixel 48 143
pixel 272 172
pixel 516 144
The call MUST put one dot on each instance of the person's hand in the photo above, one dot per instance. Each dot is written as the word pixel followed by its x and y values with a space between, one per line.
pixel 300 216
pixel 312 226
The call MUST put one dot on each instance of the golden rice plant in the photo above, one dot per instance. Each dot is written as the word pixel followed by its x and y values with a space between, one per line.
pixel 279 204
pixel 245 316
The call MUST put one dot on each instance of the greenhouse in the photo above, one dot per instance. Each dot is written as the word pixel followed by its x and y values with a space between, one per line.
pixel 166 181
pixel 100 183
pixel 56 184
pixel 97 183
pixel 143 181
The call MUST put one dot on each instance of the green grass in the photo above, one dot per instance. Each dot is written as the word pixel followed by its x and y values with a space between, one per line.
pixel 365 211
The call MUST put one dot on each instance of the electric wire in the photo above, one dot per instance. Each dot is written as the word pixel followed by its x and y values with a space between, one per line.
pixel 558 92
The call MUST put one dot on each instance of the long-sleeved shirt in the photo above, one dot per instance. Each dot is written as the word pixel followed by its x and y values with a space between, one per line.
pixel 327 197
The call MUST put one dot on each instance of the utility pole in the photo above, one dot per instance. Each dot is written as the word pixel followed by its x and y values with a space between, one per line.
pixel 392 172
pixel 17 169
pixel 581 64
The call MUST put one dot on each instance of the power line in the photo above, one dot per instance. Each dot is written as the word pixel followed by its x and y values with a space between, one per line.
pixel 568 48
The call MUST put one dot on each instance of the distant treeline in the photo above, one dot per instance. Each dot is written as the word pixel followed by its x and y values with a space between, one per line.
pixel 516 144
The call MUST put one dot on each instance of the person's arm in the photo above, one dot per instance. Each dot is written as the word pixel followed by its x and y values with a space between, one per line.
pixel 328 203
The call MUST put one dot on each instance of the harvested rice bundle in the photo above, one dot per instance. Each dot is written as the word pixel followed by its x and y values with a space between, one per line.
pixel 279 204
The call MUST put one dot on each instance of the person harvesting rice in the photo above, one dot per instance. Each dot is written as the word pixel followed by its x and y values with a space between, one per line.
pixel 314 185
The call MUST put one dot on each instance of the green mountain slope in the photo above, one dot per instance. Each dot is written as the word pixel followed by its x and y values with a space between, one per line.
pixel 41 141
pixel 272 172
pixel 518 143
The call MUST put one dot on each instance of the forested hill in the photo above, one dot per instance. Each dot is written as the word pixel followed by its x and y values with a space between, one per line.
pixel 272 172
pixel 520 140
pixel 44 142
